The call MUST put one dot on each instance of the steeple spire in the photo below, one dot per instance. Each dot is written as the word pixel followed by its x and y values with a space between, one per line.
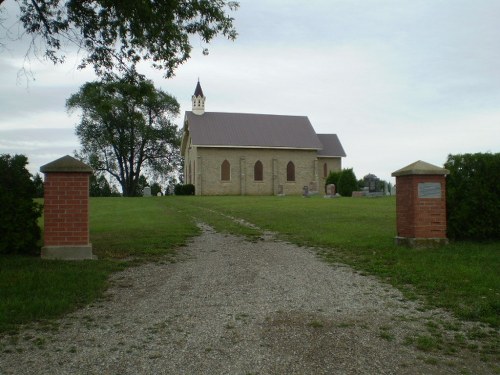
pixel 198 100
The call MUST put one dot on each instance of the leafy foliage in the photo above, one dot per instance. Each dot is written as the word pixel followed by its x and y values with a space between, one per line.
pixel 347 183
pixel 473 196
pixel 99 186
pixel 155 189
pixel 119 34
pixel 126 126
pixel 19 231
pixel 187 189
pixel 39 188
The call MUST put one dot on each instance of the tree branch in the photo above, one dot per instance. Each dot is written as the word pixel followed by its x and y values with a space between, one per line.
pixel 42 16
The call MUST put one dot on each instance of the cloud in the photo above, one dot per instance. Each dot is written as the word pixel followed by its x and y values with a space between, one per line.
pixel 397 81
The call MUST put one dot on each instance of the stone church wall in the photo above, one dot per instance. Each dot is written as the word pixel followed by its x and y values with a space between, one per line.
pixel 208 163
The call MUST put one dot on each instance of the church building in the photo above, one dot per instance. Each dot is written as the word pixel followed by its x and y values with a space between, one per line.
pixel 255 154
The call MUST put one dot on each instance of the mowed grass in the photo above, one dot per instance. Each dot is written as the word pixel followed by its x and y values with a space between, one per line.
pixel 32 289
pixel 461 277
pixel 137 227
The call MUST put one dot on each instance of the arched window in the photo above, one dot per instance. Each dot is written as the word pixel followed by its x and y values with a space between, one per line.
pixel 225 171
pixel 258 171
pixel 325 170
pixel 290 171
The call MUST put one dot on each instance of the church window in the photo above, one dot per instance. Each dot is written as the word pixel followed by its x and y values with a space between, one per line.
pixel 325 170
pixel 258 171
pixel 225 171
pixel 290 171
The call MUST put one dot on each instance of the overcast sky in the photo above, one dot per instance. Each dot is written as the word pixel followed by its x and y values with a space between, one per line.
pixel 397 80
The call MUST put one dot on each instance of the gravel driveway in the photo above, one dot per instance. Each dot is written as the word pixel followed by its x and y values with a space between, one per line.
pixel 231 306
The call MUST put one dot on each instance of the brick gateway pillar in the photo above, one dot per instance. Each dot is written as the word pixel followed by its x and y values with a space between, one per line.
pixel 421 205
pixel 66 210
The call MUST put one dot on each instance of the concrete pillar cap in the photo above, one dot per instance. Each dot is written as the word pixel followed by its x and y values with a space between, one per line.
pixel 420 168
pixel 66 164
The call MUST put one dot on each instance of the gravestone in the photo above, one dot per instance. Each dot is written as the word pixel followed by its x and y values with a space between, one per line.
pixel 146 192
pixel 313 187
pixel 280 190
pixel 305 191
pixel 371 182
pixel 330 191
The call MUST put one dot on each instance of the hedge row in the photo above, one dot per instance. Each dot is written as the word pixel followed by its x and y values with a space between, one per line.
pixel 473 196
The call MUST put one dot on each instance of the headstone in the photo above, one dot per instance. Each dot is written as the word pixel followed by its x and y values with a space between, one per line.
pixel 313 187
pixel 158 194
pixel 371 182
pixel 393 190
pixel 280 190
pixel 386 189
pixel 330 191
pixel 305 191
pixel 146 192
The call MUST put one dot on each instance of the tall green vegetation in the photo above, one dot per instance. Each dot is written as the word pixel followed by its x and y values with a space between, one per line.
pixel 347 182
pixel 126 128
pixel 19 231
pixel 473 196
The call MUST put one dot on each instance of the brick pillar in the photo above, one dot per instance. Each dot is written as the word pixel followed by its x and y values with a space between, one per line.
pixel 421 205
pixel 66 210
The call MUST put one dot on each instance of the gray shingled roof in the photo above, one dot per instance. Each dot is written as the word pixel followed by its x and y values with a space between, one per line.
pixel 331 145
pixel 252 130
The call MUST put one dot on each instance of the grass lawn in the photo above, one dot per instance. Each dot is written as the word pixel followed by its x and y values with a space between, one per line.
pixel 32 289
pixel 462 277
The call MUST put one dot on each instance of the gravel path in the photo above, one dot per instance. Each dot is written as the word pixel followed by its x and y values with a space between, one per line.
pixel 237 307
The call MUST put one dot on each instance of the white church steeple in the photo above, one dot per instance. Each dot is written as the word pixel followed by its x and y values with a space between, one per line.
pixel 198 100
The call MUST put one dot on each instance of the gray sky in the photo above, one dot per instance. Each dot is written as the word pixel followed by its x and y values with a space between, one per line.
pixel 397 80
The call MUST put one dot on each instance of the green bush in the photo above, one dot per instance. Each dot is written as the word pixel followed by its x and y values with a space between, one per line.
pixel 347 183
pixel 473 196
pixel 99 186
pixel 19 230
pixel 187 189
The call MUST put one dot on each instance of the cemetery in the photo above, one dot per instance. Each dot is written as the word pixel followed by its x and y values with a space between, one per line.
pixel 357 232
pixel 242 242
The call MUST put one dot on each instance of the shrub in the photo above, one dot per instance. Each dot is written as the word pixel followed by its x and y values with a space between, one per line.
pixel 187 189
pixel 38 182
pixel 19 230
pixel 155 189
pixel 99 186
pixel 347 183
pixel 473 196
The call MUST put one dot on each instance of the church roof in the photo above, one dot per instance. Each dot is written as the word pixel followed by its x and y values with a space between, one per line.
pixel 331 146
pixel 251 130
pixel 198 91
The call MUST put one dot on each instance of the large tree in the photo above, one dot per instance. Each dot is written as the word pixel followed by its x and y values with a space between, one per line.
pixel 126 127
pixel 117 34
